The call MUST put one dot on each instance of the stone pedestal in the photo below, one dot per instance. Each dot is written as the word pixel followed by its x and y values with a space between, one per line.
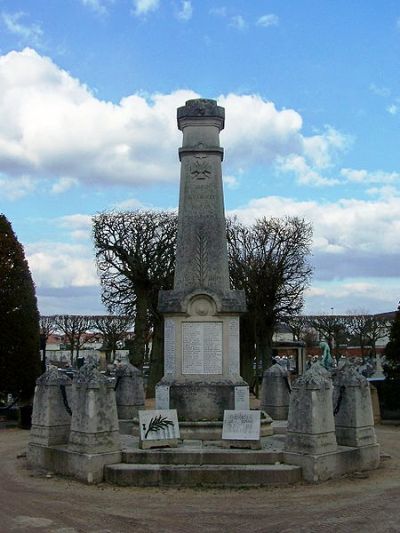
pixel 51 416
pixel 94 424
pixel 275 392
pixel 311 426
pixel 354 419
pixel 129 391
pixel 201 351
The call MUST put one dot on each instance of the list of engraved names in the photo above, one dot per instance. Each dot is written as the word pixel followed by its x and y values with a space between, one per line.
pixel 202 348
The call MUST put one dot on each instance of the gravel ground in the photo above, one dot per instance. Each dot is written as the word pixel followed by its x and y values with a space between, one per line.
pixel 33 502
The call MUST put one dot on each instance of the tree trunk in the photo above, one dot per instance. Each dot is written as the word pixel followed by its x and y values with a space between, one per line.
pixel 265 333
pixel 247 348
pixel 137 357
pixel 156 358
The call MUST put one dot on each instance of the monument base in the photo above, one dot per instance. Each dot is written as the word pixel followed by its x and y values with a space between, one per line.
pixel 355 436
pixel 335 464
pixel 200 400
pixel 87 467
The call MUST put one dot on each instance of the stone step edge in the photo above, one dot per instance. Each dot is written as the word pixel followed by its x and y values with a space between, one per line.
pixel 201 457
pixel 202 475
pixel 152 466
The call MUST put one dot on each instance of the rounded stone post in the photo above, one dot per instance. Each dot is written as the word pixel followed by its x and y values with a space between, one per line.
pixel 129 391
pixel 354 418
pixel 311 426
pixel 51 416
pixel 275 392
pixel 94 424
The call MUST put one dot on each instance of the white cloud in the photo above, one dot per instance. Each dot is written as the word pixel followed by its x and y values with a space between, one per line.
pixel 76 221
pixel 130 203
pixel 58 265
pixel 379 90
pixel 366 176
pixel 142 7
pixel 16 188
pixel 98 6
pixel 393 109
pixel 31 34
pixel 238 22
pixel 268 20
pixel 305 174
pixel 219 11
pixel 186 11
pixel 53 127
pixel 63 185
pixel 346 226
pixel 231 182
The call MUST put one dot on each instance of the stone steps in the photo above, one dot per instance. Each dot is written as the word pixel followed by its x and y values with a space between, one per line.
pixel 146 475
pixel 198 457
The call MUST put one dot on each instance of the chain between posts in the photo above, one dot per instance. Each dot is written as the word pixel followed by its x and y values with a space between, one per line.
pixel 65 399
pixel 339 400
pixel 117 382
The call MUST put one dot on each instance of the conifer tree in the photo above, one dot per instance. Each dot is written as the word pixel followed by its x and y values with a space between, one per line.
pixel 19 319
pixel 392 350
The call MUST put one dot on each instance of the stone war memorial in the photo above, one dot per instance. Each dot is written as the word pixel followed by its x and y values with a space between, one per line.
pixel 201 373
pixel 202 430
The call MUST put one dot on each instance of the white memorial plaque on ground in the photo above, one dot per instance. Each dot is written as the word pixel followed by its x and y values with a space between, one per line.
pixel 241 425
pixel 202 348
pixel 234 349
pixel 162 396
pixel 169 346
pixel 242 399
pixel 159 425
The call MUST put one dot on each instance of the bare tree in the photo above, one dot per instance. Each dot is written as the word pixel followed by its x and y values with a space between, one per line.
pixel 47 327
pixel 269 260
pixel 378 328
pixel 113 329
pixel 135 254
pixel 74 328
pixel 358 326
pixel 333 329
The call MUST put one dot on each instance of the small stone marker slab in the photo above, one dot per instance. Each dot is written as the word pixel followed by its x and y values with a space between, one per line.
pixel 162 396
pixel 158 428
pixel 242 398
pixel 241 429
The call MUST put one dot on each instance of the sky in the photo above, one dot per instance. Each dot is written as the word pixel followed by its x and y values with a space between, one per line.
pixel 88 98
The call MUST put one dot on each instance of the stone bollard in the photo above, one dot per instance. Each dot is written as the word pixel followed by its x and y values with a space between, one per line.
pixel 311 426
pixel 275 392
pixel 129 391
pixel 353 408
pixel 94 424
pixel 51 416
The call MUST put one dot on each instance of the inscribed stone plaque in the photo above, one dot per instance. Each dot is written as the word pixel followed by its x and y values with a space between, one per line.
pixel 234 350
pixel 169 346
pixel 162 396
pixel 242 399
pixel 159 424
pixel 241 425
pixel 202 348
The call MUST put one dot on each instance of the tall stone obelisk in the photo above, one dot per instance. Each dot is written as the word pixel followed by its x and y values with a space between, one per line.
pixel 201 351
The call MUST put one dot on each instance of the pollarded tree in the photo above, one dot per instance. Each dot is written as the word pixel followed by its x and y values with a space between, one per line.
pixel 19 319
pixel 47 328
pixel 135 254
pixel 74 328
pixel 269 260
pixel 333 329
pixel 113 329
